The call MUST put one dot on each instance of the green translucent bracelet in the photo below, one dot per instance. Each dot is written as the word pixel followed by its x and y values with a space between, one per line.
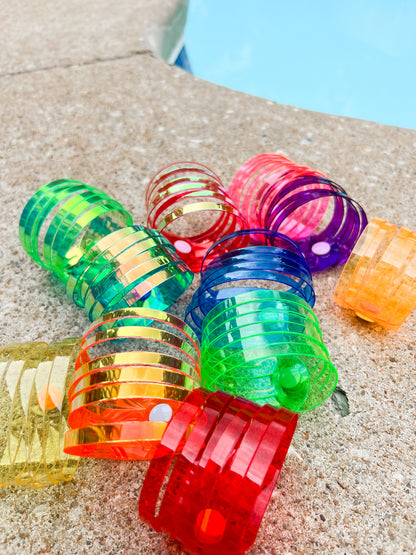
pixel 87 240
pixel 133 266
pixel 266 346
pixel 63 218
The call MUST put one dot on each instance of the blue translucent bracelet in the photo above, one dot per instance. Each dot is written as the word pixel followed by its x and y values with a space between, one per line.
pixel 262 256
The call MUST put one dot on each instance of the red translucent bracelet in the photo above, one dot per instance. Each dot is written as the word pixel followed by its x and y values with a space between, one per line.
pixel 186 196
pixel 227 445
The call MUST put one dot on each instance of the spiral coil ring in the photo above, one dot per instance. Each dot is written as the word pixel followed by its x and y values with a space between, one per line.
pixel 134 369
pixel 261 256
pixel 187 193
pixel 72 215
pixel 223 442
pixel 133 266
pixel 90 244
pixel 379 279
pixel 274 193
pixel 249 183
pixel 267 346
pixel 34 378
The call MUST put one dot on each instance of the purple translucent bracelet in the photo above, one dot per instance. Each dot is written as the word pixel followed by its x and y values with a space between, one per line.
pixel 318 214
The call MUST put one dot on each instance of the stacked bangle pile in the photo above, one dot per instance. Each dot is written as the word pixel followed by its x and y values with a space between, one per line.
pixel 272 192
pixel 87 240
pixel 187 202
pixel 131 387
pixel 230 455
pixel 259 342
pixel 379 279
pixel 134 369
pixel 34 379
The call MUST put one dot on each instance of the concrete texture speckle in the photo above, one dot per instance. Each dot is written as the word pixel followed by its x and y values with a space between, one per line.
pixel 348 484
pixel 48 34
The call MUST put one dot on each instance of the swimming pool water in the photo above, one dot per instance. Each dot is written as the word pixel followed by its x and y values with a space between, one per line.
pixel 355 58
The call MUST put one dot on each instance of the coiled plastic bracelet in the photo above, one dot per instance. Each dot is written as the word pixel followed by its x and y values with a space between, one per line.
pixel 87 240
pixel 231 452
pixel 263 259
pixel 267 346
pixel 187 202
pixel 63 218
pixel 379 279
pixel 34 379
pixel 274 193
pixel 133 266
pixel 134 369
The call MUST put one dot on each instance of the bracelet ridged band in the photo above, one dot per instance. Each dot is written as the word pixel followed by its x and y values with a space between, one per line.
pixel 135 367
pixel 379 279
pixel 34 378
pixel 188 204
pixel 267 346
pixel 63 218
pixel 231 452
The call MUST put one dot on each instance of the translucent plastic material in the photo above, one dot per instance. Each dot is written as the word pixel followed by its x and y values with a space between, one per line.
pixel 260 259
pixel 213 496
pixel 133 266
pixel 272 192
pixel 63 219
pixel 187 202
pixel 134 369
pixel 379 279
pixel 267 346
pixel 87 240
pixel 34 378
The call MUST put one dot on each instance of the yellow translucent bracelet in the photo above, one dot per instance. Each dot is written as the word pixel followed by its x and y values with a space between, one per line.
pixel 34 408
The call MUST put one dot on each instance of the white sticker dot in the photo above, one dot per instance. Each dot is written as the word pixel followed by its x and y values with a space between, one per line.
pixel 182 246
pixel 321 248
pixel 160 413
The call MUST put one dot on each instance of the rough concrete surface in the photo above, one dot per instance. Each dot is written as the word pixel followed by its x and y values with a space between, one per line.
pixel 47 33
pixel 348 484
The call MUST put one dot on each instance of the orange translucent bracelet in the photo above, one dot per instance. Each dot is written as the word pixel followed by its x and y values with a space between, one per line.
pixel 33 413
pixel 379 279
pixel 134 369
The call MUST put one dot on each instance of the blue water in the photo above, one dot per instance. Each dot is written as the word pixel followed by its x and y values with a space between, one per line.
pixel 355 58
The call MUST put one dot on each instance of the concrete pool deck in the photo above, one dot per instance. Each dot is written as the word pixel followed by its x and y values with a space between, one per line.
pixel 83 96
